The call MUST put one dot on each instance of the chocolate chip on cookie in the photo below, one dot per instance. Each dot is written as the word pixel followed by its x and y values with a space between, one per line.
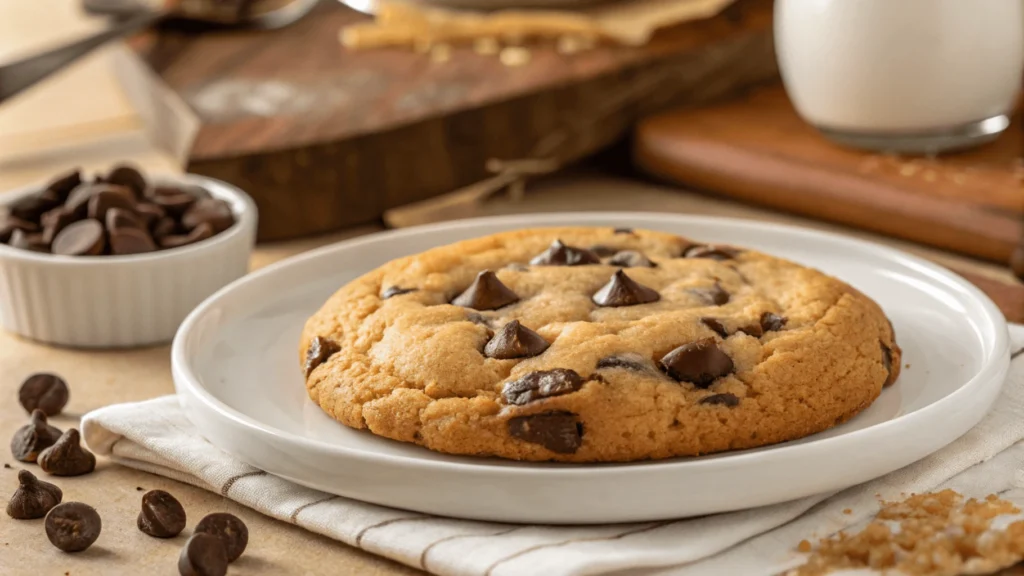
pixel 395 291
pixel 515 341
pixel 541 384
pixel 715 325
pixel 559 432
pixel 710 251
pixel 320 349
pixel 712 295
pixel 772 322
pixel 603 251
pixel 486 293
pixel 700 363
pixel 623 231
pixel 725 399
pixel 622 290
pixel 631 259
pixel 559 254
pixel 626 361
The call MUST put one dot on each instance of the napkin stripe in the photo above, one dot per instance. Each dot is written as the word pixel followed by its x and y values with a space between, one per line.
pixel 423 555
pixel 359 537
pixel 648 528
pixel 294 516
pixel 231 481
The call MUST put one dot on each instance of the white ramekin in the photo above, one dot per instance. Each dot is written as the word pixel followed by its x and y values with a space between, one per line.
pixel 122 301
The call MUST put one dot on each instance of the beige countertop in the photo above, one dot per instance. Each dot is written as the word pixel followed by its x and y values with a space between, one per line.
pixel 51 128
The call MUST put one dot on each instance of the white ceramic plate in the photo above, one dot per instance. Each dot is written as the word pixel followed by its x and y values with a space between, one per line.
pixel 235 364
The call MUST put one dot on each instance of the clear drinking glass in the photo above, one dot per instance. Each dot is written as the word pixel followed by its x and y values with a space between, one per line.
pixel 918 76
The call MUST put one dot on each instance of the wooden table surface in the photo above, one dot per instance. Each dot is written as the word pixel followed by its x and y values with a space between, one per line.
pixel 51 127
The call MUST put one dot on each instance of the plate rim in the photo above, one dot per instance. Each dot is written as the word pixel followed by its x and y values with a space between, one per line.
pixel 184 378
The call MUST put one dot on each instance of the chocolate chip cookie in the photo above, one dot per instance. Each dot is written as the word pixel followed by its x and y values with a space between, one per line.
pixel 595 345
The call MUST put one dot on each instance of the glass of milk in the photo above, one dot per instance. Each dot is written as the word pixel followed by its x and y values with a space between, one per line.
pixel 914 76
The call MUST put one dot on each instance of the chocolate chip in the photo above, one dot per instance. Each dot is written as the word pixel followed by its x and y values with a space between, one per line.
pixel 121 218
pixel 231 531
pixel 515 341
pixel 64 184
pixel 540 385
pixel 162 516
pixel 712 252
pixel 631 259
pixel 198 234
pixel 754 330
pixel 33 438
pixel 213 211
pixel 32 242
pixel 559 432
pixel 770 322
pixel 203 555
pixel 715 295
pixel 73 526
pixel 46 392
pixel 622 290
pixel 54 222
pixel 78 202
pixel 603 251
pixel 32 207
pixel 102 202
pixel 8 224
pixel 623 230
pixel 716 326
pixel 33 498
pixel 558 254
pixel 83 238
pixel 725 399
pixel 150 214
pixel 129 177
pixel 67 457
pixel 700 363
pixel 887 363
pixel 164 227
pixel 626 361
pixel 127 241
pixel 320 349
pixel 395 291
pixel 174 200
pixel 486 293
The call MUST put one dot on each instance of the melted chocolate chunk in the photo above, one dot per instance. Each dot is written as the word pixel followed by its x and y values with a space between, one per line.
pixel 631 259
pixel 708 251
pixel 515 341
pixel 320 349
pixel 770 322
pixel 700 363
pixel 622 290
pixel 540 385
pixel 558 254
pixel 33 498
pixel 486 293
pixel 626 361
pixel 716 326
pixel 725 399
pixel 559 432
pixel 715 295
pixel 395 291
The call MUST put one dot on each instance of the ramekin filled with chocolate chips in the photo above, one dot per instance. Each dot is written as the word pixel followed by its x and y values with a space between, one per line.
pixel 117 259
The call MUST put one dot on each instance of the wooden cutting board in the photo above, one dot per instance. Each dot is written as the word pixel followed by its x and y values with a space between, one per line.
pixel 324 138
pixel 756 149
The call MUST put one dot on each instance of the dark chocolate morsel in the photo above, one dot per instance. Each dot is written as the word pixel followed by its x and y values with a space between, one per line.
pixel 622 290
pixel 700 363
pixel 515 341
pixel 395 291
pixel 320 349
pixel 162 516
pixel 82 238
pixel 560 432
pixel 130 177
pixel 631 259
pixel 73 526
pixel 233 533
pixel 203 555
pixel 33 498
pixel 559 254
pixel 725 399
pixel 754 330
pixel 486 293
pixel 887 363
pixel 715 295
pixel 47 392
pixel 627 361
pixel 715 325
pixel 63 185
pixel 540 385
pixel 771 322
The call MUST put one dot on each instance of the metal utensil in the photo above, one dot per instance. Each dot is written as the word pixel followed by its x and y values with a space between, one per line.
pixel 133 16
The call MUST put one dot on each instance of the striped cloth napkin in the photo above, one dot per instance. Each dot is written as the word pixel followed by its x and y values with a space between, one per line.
pixel 155 436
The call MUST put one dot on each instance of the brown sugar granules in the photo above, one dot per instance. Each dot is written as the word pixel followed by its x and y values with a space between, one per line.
pixel 936 534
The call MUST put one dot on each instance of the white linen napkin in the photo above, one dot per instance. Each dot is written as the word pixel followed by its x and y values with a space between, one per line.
pixel 155 436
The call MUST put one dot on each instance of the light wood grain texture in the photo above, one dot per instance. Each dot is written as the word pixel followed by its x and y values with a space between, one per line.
pixel 324 138
pixel 756 149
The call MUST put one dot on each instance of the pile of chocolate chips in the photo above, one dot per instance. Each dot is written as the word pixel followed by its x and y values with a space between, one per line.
pixel 118 213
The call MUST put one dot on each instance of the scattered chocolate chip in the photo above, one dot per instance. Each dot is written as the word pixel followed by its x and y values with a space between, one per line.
pixel 127 241
pixel 623 230
pixel 395 291
pixel 754 330
pixel 887 363
pixel 603 251
pixel 712 295
pixel 33 242
pixel 213 211
pixel 83 238
pixel 43 391
pixel 700 363
pixel 709 251
pixel 716 326
pixel 622 290
pixel 129 177
pixel 540 385
pixel 64 184
pixel 73 526
pixel 162 516
pixel 230 529
pixel 320 349
pixel 628 361
pixel 559 432
pixel 770 322
pixel 515 341
pixel 54 222
pixel 33 438
pixel 558 254
pixel 7 466
pixel 33 498
pixel 203 555
pixel 486 293
pixel 631 259
pixel 67 457
pixel 102 202
pixel 725 399
pixel 198 234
